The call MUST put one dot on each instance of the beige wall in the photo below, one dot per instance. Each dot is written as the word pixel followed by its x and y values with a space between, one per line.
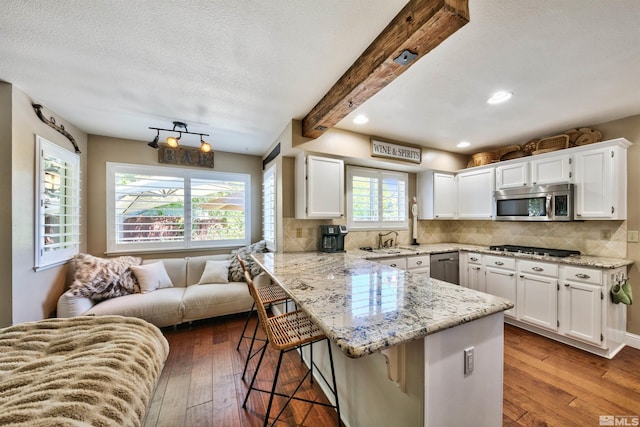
pixel 104 149
pixel 35 294
pixel 5 206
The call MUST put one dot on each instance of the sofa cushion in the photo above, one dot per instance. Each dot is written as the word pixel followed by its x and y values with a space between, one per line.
pixel 152 276
pixel 176 269
pixel 215 272
pixel 70 305
pixel 161 307
pixel 103 278
pixel 196 265
pixel 204 301
pixel 236 273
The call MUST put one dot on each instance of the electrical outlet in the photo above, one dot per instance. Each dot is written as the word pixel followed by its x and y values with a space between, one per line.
pixel 632 236
pixel 298 232
pixel 468 360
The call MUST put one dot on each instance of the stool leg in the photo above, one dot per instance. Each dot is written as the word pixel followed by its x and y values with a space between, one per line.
pixel 255 373
pixel 253 306
pixel 273 390
pixel 249 356
pixel 310 362
pixel 333 378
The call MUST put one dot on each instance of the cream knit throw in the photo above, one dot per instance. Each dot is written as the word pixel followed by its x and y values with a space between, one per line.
pixel 79 371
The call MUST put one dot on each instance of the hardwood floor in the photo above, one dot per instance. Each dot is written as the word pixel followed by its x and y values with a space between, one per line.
pixel 545 383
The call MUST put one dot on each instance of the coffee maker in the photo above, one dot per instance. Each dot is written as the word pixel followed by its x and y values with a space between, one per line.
pixel 332 238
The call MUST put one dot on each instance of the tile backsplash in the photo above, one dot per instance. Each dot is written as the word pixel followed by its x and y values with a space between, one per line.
pixel 597 238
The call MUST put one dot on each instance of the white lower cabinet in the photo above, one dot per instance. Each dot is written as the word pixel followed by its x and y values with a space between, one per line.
pixel 582 310
pixel 500 277
pixel 475 277
pixel 419 264
pixel 538 294
pixel 399 262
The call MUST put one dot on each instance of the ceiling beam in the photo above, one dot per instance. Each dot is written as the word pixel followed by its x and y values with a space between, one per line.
pixel 419 27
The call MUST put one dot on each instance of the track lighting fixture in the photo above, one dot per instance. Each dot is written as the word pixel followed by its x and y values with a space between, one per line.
pixel 174 141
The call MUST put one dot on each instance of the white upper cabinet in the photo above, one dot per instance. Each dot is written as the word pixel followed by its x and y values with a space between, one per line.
pixel 552 170
pixel 601 181
pixel 475 194
pixel 436 195
pixel 512 176
pixel 319 187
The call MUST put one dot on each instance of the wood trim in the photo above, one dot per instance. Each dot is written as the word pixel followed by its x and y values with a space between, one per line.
pixel 419 27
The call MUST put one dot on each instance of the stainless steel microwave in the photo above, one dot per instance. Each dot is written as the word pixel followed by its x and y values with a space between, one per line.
pixel 537 203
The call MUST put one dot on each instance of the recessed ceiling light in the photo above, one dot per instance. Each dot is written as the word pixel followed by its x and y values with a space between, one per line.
pixel 463 144
pixel 360 119
pixel 500 96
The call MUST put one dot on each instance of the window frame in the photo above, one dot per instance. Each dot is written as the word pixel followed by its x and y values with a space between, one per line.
pixel 45 259
pixel 380 175
pixel 187 174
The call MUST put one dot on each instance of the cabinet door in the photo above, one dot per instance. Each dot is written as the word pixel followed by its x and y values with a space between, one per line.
pixel 581 311
pixel 325 187
pixel 551 170
pixel 475 278
pixel 538 301
pixel 400 263
pixel 475 194
pixel 594 192
pixel 512 176
pixel 444 195
pixel 502 283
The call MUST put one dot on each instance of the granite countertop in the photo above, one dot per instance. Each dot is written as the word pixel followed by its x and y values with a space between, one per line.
pixel 364 306
pixel 581 260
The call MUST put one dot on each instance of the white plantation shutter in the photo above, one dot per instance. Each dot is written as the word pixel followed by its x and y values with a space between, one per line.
pixel 269 207
pixel 57 204
pixel 376 199
pixel 159 208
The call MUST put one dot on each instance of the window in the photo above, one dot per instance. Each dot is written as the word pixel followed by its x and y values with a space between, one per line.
pixel 57 204
pixel 269 207
pixel 376 199
pixel 160 208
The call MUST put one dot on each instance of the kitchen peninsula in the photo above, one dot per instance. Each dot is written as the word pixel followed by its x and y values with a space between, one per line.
pixel 402 337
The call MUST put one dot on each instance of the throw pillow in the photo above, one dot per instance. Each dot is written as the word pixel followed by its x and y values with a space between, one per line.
pixel 236 273
pixel 102 278
pixel 152 276
pixel 215 272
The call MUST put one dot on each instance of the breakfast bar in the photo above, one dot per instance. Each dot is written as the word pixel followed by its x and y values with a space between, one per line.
pixel 415 351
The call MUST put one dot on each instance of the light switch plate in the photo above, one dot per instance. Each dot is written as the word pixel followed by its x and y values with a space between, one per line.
pixel 632 236
pixel 468 360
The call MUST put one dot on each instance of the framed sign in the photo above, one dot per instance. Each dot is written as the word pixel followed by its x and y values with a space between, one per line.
pixel 388 150
pixel 185 156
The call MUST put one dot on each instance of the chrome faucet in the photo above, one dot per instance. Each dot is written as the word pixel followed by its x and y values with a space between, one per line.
pixel 391 242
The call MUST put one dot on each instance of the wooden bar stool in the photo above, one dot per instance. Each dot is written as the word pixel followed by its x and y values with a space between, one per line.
pixel 268 295
pixel 287 332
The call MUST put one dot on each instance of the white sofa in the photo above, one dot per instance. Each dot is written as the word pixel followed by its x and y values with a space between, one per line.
pixel 185 301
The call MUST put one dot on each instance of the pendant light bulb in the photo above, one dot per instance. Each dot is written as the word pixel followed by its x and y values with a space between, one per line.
pixel 205 147
pixel 172 141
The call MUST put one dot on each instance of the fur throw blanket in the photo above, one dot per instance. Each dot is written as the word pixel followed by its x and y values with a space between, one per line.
pixel 79 371
pixel 236 273
pixel 104 278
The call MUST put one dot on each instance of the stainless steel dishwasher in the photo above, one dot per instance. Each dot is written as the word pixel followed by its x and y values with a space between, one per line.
pixel 445 267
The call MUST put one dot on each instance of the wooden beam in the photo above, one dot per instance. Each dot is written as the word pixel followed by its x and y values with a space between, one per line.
pixel 419 27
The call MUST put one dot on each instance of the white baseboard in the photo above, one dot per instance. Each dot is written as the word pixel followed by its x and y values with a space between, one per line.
pixel 633 340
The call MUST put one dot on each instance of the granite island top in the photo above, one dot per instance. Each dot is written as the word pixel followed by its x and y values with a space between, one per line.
pixel 364 306
pixel 409 250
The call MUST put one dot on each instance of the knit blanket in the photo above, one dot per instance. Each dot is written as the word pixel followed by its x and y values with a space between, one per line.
pixel 79 371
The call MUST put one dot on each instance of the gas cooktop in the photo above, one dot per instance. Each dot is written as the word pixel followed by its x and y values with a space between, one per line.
pixel 535 251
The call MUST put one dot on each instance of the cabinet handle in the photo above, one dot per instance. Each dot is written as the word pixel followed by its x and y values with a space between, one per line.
pixel 392 265
pixel 522 276
pixel 473 258
pixel 512 274
pixel 537 268
pixel 418 262
pixel 582 276
pixel 499 263
pixel 476 268
pixel 566 285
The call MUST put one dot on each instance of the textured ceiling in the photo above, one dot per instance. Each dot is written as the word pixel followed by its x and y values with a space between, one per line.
pixel 240 70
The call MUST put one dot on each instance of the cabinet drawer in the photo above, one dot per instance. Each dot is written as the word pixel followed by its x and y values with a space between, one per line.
pixel 400 263
pixel 417 262
pixel 538 267
pixel 584 275
pixel 473 258
pixel 500 262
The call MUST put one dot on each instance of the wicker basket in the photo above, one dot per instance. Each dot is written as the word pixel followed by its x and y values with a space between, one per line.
pixel 530 147
pixel 505 150
pixel 588 136
pixel 552 143
pixel 512 155
pixel 484 158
